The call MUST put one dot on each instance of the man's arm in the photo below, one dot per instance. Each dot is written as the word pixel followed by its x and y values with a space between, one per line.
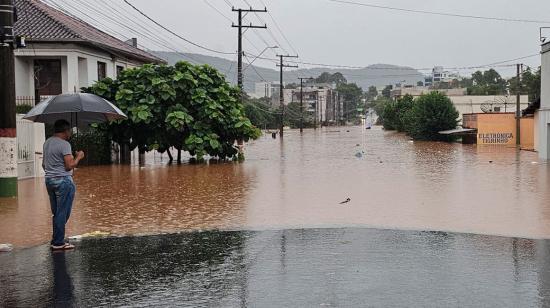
pixel 71 162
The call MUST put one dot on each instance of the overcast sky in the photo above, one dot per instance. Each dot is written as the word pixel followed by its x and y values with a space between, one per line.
pixel 335 33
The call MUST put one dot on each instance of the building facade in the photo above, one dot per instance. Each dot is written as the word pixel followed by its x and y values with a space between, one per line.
pixel 465 104
pixel 319 100
pixel 542 116
pixel 64 54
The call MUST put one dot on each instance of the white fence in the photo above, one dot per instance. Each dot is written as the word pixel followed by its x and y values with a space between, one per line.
pixel 30 138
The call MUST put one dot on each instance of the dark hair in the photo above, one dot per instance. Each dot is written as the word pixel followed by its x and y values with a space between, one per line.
pixel 61 126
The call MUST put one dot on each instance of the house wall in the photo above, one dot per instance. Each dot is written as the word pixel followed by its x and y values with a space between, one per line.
pixel 496 128
pixel 78 65
pixel 24 85
pixel 536 131
pixel 527 133
pixel 543 120
pixel 472 103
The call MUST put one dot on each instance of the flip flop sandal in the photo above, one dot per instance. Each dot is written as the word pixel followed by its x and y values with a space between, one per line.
pixel 65 246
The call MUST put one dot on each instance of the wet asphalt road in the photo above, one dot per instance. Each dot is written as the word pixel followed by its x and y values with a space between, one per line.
pixel 288 268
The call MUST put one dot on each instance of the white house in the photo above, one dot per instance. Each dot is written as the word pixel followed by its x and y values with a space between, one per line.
pixel 62 55
pixel 542 117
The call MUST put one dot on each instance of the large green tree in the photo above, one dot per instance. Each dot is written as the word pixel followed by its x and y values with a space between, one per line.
pixel 529 84
pixel 486 83
pixel 430 114
pixel 352 95
pixel 371 93
pixel 189 107
pixel 325 77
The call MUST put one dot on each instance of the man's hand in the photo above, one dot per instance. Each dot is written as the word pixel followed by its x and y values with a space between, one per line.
pixel 71 162
pixel 80 155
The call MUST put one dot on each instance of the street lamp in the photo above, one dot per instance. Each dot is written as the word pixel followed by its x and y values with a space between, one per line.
pixel 261 53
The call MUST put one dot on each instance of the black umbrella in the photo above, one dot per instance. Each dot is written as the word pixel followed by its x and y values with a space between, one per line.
pixel 80 108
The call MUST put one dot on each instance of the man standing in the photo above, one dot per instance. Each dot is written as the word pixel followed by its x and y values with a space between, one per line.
pixel 58 165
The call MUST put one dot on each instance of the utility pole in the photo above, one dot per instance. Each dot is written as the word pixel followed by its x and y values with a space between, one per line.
pixel 240 27
pixel 518 106
pixel 281 65
pixel 302 102
pixel 321 101
pixel 8 140
pixel 316 109
pixel 240 54
pixel 339 107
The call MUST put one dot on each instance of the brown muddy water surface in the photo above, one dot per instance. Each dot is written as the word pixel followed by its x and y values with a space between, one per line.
pixel 298 183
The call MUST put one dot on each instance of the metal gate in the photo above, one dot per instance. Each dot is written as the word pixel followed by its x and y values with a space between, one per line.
pixel 25 149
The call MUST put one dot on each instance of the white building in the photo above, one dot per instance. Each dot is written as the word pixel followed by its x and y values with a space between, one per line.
pixel 319 100
pixel 441 75
pixel 266 89
pixel 469 103
pixel 62 55
pixel 542 117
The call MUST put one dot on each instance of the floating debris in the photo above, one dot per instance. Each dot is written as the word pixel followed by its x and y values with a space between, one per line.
pixel 90 234
pixel 6 247
pixel 345 201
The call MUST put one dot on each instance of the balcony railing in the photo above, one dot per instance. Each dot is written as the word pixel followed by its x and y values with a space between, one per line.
pixel 29 100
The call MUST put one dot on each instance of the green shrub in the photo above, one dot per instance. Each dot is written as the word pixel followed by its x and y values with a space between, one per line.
pixel 22 109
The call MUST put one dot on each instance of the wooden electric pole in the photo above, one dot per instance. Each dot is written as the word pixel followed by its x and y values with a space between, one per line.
pixel 240 27
pixel 281 66
pixel 8 141
pixel 518 105
pixel 240 54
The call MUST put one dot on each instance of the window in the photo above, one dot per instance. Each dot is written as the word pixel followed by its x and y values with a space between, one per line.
pixel 47 77
pixel 101 70
pixel 119 70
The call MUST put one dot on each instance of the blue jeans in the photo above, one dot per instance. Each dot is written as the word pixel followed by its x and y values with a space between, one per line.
pixel 61 191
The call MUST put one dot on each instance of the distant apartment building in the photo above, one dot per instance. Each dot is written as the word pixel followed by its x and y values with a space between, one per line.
pixel 266 89
pixel 319 100
pixel 439 74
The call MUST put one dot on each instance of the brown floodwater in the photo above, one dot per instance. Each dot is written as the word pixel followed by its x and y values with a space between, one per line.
pixel 298 183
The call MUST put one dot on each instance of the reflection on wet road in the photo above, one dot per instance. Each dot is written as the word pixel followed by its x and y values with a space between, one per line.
pixel 299 183
pixel 289 268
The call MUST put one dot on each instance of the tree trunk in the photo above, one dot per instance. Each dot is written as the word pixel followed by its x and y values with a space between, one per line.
pixel 179 156
pixel 125 155
pixel 170 156
pixel 141 157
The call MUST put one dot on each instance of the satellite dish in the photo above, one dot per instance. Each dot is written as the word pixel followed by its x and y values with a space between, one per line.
pixel 496 105
pixel 486 107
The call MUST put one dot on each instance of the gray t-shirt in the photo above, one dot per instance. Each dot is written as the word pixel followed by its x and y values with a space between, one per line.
pixel 55 150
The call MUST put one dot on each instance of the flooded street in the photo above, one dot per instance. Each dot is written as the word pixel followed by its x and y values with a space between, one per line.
pixel 342 267
pixel 298 183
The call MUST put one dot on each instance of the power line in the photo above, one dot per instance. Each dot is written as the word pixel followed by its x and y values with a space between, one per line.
pixel 440 13
pixel 494 64
pixel 154 38
pixel 280 31
pixel 254 68
pixel 175 34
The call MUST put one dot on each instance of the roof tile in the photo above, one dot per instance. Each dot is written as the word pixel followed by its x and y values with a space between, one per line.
pixel 38 21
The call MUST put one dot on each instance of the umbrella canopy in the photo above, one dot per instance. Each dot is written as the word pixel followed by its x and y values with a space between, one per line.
pixel 80 109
